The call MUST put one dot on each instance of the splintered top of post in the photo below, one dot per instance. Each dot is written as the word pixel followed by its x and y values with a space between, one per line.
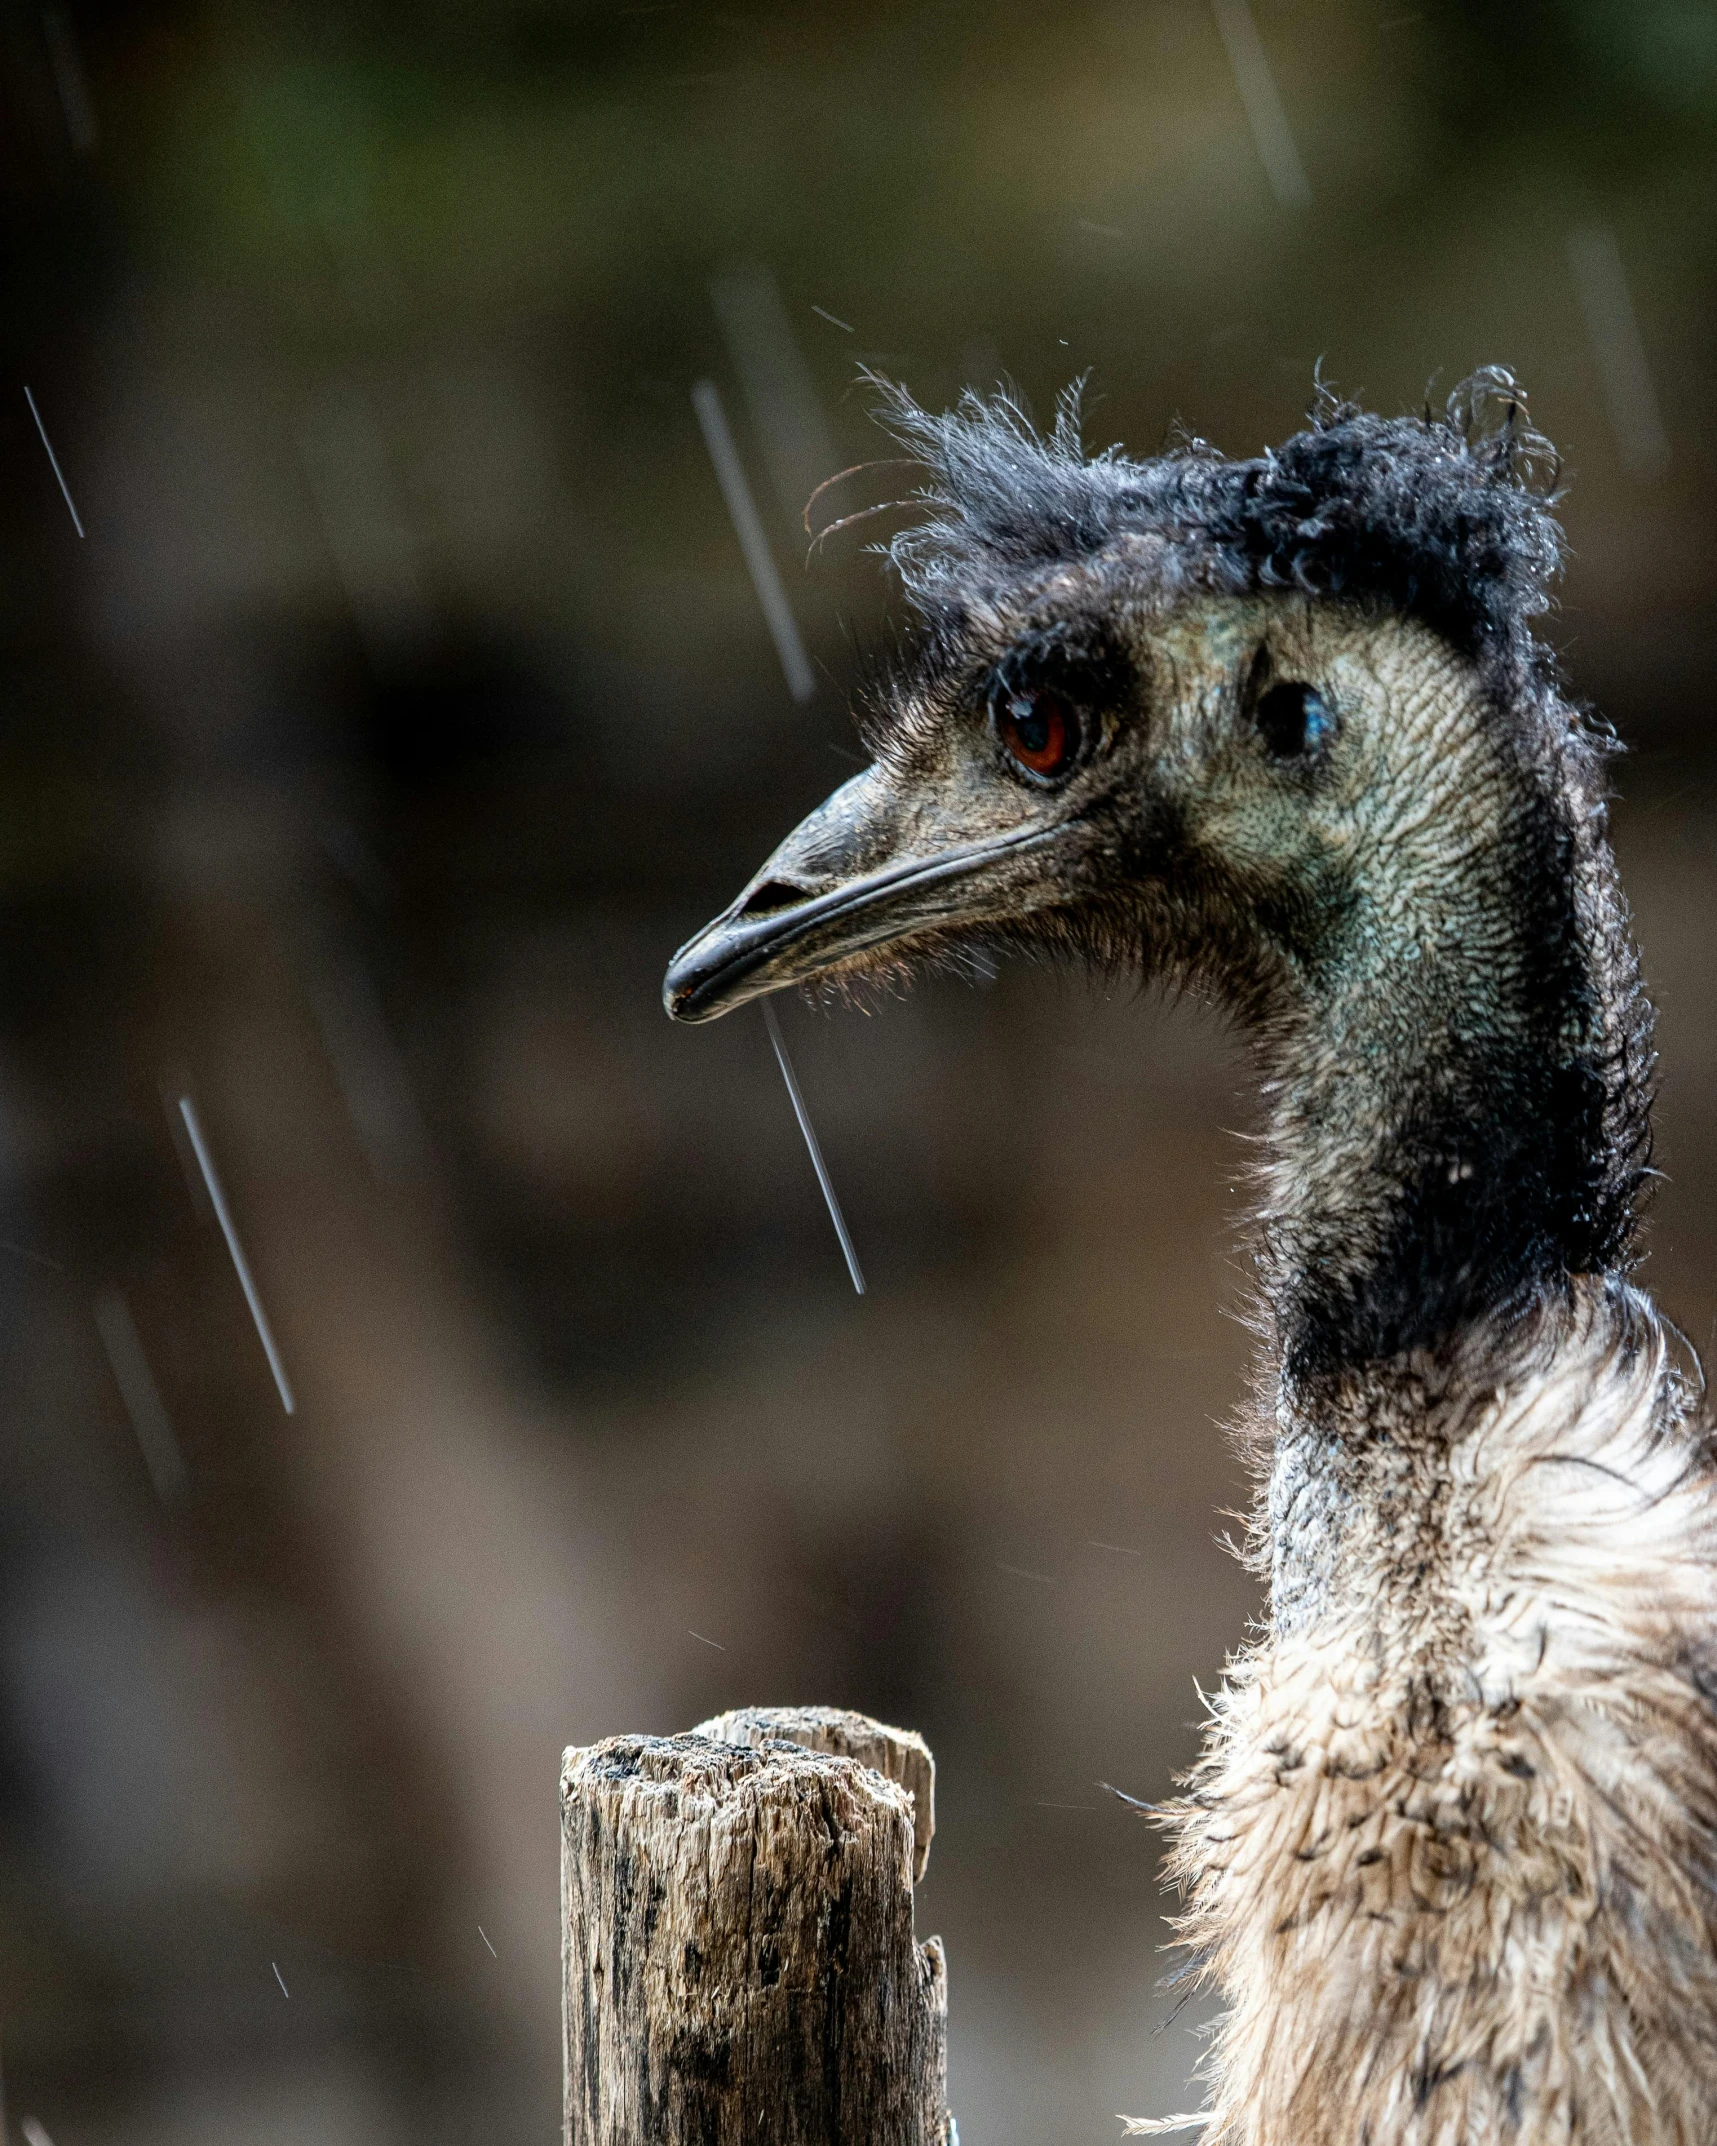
pixel 697 1778
pixel 899 1755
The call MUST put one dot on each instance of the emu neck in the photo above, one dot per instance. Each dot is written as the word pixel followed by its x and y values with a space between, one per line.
pixel 1457 1129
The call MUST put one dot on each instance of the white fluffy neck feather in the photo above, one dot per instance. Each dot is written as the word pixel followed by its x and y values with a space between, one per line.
pixel 1452 1851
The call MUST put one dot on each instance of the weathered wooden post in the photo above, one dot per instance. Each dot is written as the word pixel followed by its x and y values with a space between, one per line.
pixel 737 1937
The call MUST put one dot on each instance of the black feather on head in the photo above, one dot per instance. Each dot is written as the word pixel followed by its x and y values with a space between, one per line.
pixel 1446 517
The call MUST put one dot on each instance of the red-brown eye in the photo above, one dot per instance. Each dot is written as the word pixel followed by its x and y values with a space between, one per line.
pixel 1037 730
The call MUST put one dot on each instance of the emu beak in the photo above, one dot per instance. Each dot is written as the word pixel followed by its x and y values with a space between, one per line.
pixel 865 870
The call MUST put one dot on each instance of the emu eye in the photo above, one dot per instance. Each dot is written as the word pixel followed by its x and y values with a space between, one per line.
pixel 1293 720
pixel 1038 731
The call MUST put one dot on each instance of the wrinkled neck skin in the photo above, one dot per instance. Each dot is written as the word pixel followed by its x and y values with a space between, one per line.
pixel 1456 1119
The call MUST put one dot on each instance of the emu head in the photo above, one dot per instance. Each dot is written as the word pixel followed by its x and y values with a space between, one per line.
pixel 1197 790
pixel 1204 716
pixel 1280 728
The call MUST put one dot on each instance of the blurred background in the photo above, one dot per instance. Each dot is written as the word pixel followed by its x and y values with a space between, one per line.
pixel 401 695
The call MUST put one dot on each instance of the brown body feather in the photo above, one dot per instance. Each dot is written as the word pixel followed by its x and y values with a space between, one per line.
pixel 1450 1852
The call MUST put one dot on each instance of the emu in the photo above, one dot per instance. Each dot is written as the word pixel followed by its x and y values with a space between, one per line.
pixel 1282 730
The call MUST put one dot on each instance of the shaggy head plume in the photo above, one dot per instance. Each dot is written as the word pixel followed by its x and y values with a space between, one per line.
pixel 1444 517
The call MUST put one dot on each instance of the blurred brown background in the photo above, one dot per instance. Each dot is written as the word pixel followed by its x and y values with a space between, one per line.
pixel 406 703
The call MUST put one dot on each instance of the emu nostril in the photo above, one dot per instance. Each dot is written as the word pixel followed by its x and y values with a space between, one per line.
pixel 773 894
